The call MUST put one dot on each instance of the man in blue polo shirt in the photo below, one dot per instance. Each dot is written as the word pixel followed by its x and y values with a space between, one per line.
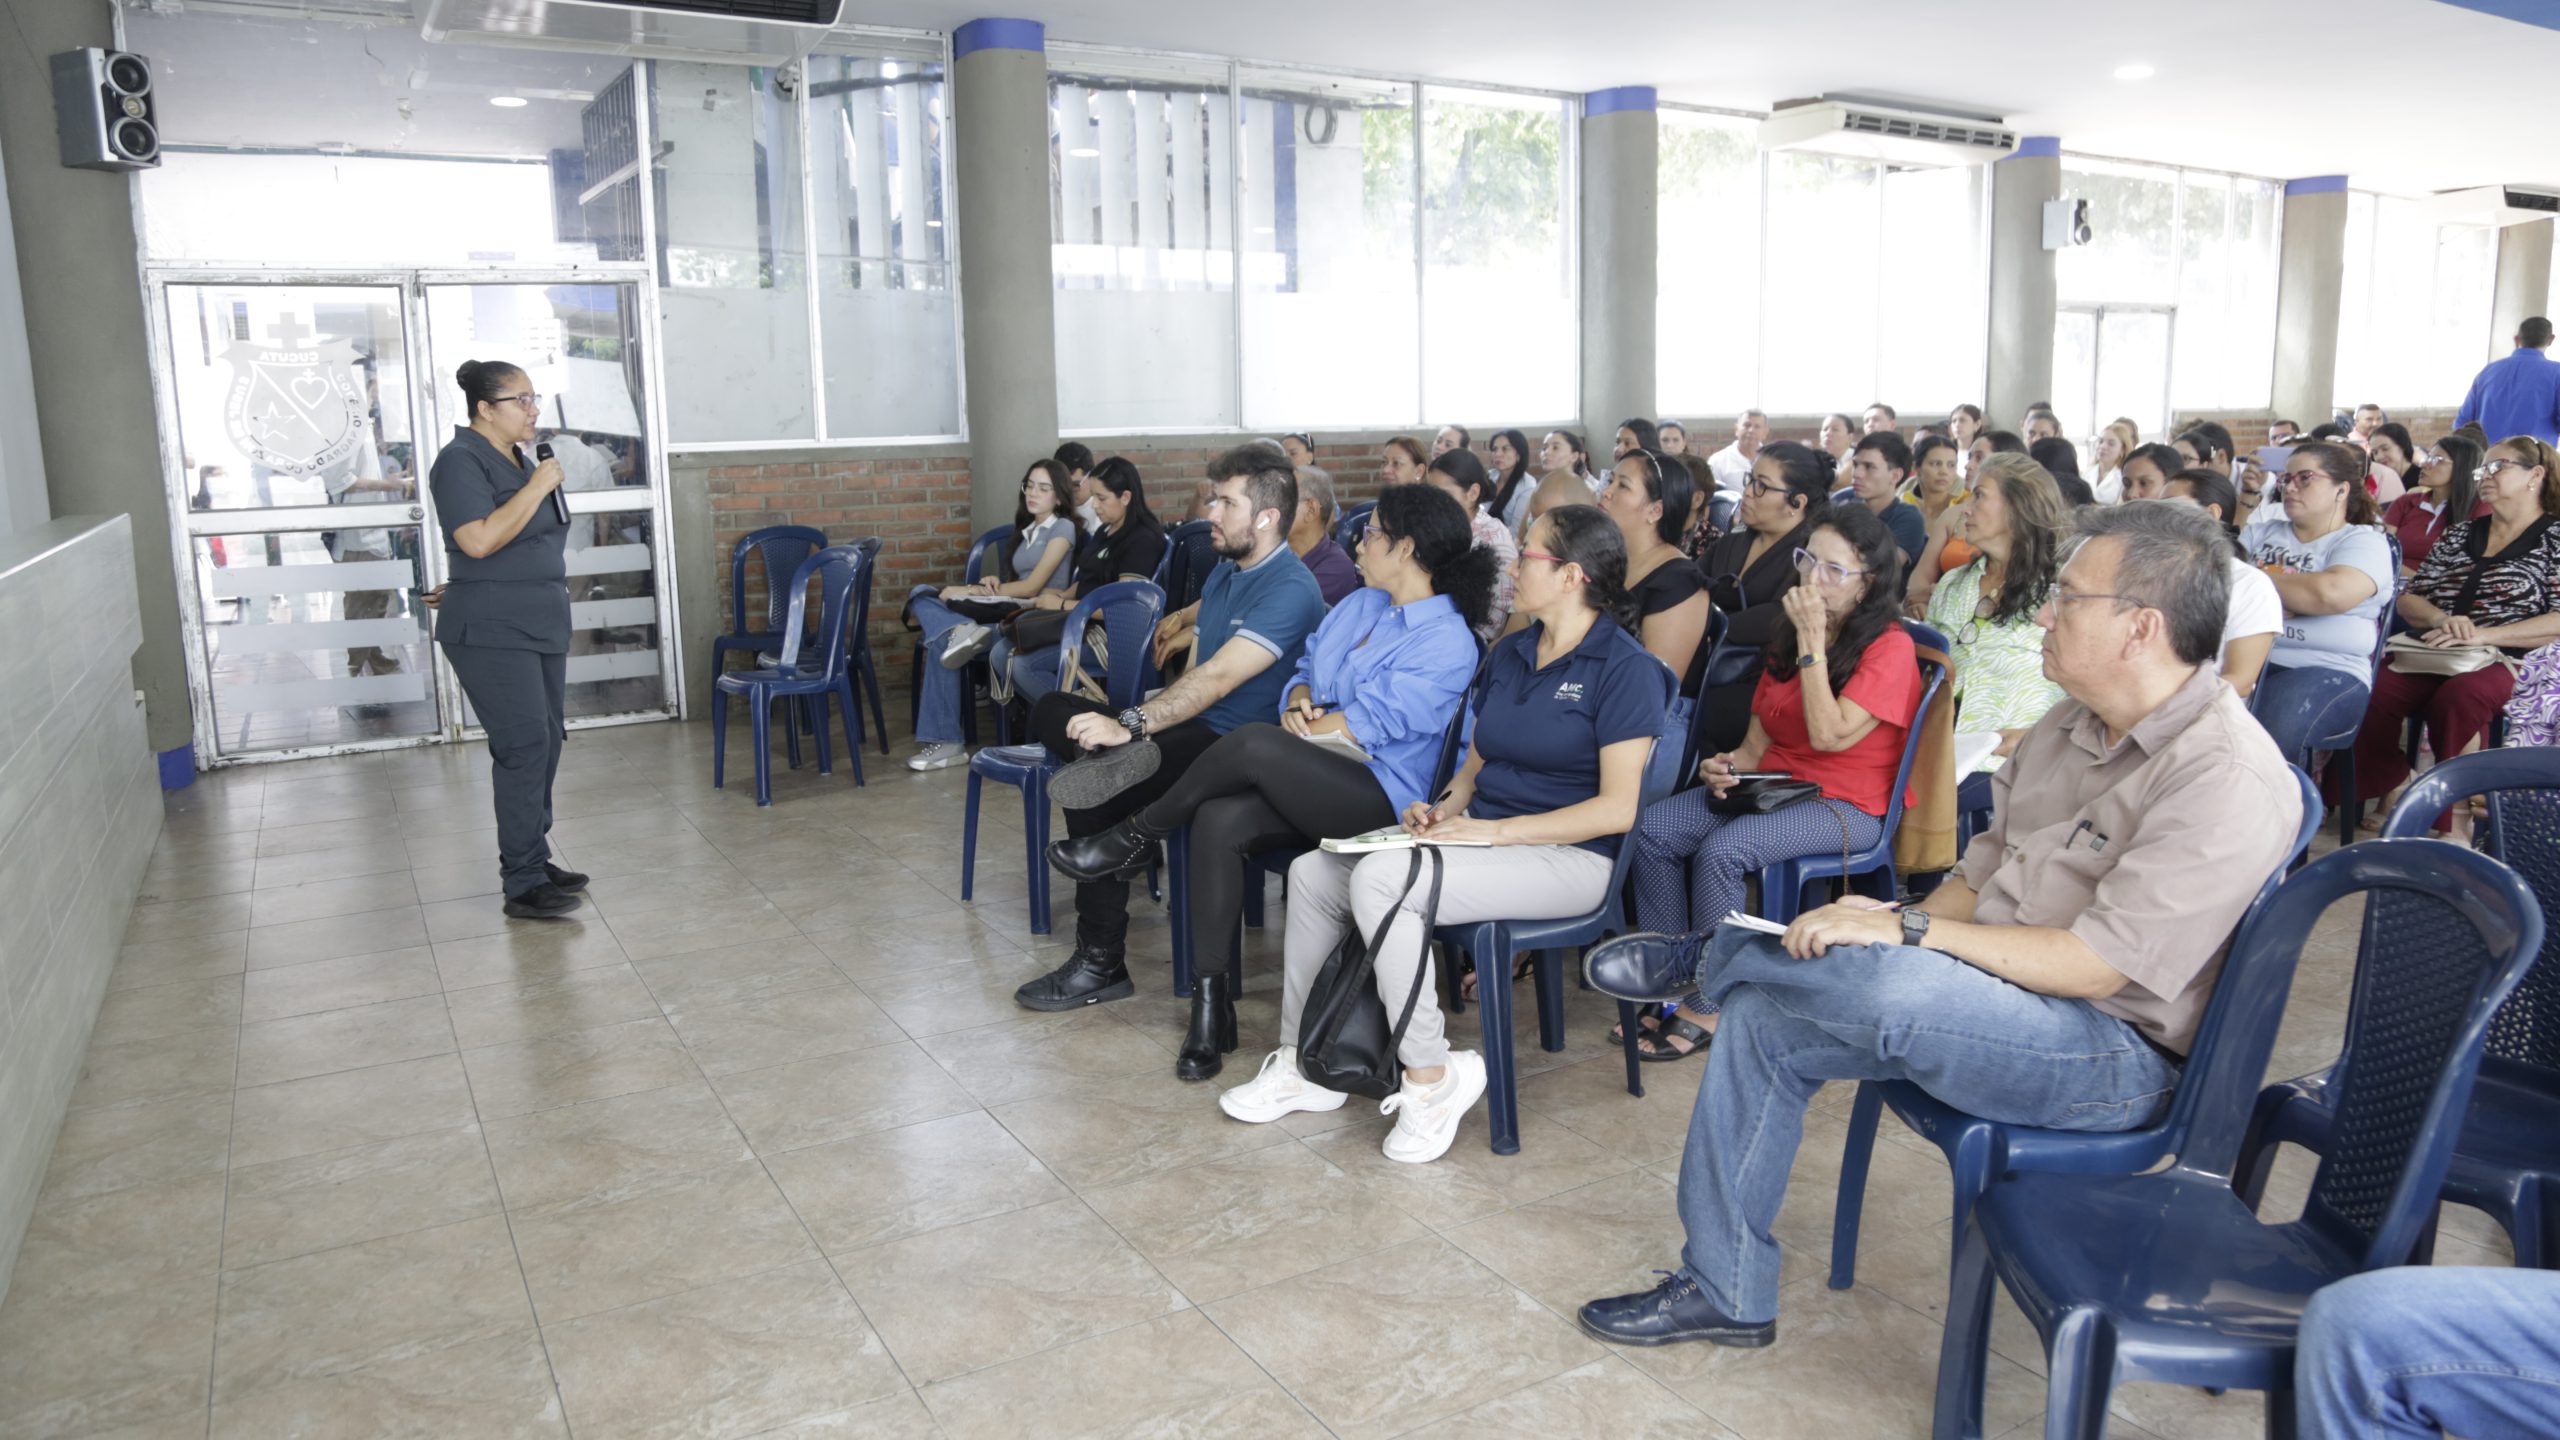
pixel 2519 395
pixel 1256 612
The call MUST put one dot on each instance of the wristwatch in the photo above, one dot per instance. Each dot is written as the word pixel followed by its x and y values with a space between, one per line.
pixel 1134 720
pixel 1807 662
pixel 1915 925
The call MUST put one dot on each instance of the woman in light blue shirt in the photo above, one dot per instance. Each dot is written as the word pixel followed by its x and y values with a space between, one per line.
pixel 1357 737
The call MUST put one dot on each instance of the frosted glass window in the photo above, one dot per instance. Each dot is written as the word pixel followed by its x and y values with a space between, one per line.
pixel 886 313
pixel 1500 334
pixel 2414 308
pixel 1821 289
pixel 2133 219
pixel 1707 270
pixel 1932 305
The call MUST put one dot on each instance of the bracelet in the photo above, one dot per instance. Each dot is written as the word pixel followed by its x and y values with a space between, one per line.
pixel 1807 662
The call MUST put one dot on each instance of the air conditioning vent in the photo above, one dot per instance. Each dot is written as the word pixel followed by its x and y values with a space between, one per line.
pixel 768 32
pixel 1885 134
pixel 2495 205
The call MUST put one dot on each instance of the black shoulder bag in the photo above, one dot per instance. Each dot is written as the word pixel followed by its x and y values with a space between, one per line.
pixel 1344 1043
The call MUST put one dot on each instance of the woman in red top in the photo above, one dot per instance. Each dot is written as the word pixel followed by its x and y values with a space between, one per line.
pixel 1834 704
pixel 2442 494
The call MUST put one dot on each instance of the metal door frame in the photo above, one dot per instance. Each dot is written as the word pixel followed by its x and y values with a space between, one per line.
pixel 2098 311
pixel 428 414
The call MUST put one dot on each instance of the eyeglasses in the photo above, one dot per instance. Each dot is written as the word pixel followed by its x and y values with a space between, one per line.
pixel 2425 459
pixel 2490 470
pixel 1371 532
pixel 1555 560
pixel 1814 567
pixel 1757 486
pixel 2062 597
pixel 528 400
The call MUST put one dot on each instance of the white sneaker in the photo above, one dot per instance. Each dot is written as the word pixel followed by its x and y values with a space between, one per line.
pixel 1278 1090
pixel 940 755
pixel 966 642
pixel 1427 1116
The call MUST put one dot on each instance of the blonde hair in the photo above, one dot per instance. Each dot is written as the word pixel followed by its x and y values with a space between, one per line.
pixel 2126 432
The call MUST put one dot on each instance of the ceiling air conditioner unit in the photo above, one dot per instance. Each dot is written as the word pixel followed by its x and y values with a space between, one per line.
pixel 1886 134
pixel 2492 205
pixel 766 32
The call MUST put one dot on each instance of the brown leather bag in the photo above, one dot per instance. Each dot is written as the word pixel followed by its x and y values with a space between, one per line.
pixel 1926 840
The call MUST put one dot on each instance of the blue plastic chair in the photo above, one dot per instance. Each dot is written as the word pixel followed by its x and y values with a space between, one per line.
pixel 1348 525
pixel 779 550
pixel 865 673
pixel 839 571
pixel 1782 885
pixel 2507 1160
pixel 1188 558
pixel 1693 747
pixel 1128 610
pixel 982 554
pixel 2171 1277
pixel 1493 943
pixel 1978 1150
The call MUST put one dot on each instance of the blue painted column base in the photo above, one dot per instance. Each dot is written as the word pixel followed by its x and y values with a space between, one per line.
pixel 178 767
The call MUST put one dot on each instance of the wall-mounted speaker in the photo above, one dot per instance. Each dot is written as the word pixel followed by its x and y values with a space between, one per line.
pixel 103 106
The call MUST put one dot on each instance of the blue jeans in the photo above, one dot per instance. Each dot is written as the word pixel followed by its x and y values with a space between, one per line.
pixel 2300 704
pixel 943 692
pixel 1874 1012
pixel 2424 1352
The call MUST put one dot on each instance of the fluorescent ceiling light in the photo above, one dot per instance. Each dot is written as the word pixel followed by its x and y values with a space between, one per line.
pixel 508 102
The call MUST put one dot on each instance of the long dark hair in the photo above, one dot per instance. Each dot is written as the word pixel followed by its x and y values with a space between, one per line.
pixel 1879 607
pixel 1118 476
pixel 1057 473
pixel 1668 483
pixel 1648 436
pixel 2212 489
pixel 2056 455
pixel 1512 479
pixel 1808 472
pixel 2462 492
pixel 1581 452
pixel 2348 466
pixel 2399 434
pixel 1463 467
pixel 1584 535
pixel 1444 545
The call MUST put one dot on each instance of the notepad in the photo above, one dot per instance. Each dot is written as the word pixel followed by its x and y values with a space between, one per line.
pixel 1394 837
pixel 1741 921
pixel 1972 748
pixel 1339 741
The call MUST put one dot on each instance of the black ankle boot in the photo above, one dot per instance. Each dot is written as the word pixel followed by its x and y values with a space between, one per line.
pixel 1090 977
pixel 1213 1029
pixel 1122 852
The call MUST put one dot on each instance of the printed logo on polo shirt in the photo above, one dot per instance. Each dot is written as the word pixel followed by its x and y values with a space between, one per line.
pixel 1570 692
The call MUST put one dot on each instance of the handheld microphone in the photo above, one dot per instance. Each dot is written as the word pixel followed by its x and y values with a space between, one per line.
pixel 559 502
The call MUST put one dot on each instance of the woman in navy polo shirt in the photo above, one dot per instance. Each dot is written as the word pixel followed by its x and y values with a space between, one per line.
pixel 1837 687
pixel 1384 672
pixel 1565 718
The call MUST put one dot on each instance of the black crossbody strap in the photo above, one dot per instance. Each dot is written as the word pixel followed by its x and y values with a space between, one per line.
pixel 1430 912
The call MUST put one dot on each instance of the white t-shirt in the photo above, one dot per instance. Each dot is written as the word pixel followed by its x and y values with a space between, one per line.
pixel 2256 609
pixel 2342 642
pixel 1732 471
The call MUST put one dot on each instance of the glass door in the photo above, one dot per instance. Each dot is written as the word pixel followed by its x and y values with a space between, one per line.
pixel 305 533
pixel 582 343
pixel 2110 361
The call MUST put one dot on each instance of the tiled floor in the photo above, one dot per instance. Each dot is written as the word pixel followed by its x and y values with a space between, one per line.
pixel 759 1144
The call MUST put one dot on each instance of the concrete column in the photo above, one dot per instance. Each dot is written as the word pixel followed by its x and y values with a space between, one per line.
pixel 23 503
pixel 82 283
pixel 1008 305
pixel 1621 153
pixel 2020 351
pixel 2524 281
pixel 2310 279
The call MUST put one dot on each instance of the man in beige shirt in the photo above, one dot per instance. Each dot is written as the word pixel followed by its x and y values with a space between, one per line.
pixel 2055 980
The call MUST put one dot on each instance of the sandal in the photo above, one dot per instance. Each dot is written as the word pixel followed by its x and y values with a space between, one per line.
pixel 1521 966
pixel 1657 1048
pixel 1648 1024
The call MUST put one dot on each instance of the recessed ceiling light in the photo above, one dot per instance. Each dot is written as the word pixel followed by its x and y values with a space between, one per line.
pixel 2135 71
pixel 1085 152
pixel 508 102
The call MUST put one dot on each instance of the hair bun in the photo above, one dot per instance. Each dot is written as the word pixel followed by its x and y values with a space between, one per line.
pixel 468 377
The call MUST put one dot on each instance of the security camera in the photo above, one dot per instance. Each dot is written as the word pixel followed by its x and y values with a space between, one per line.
pixel 2066 223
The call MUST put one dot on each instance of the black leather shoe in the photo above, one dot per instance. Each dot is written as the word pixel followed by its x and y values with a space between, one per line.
pixel 567 880
pixel 1089 977
pixel 1668 1314
pixel 1122 852
pixel 1644 967
pixel 1212 1033
pixel 545 901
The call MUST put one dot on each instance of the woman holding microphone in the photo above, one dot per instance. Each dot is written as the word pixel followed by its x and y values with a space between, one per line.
pixel 504 619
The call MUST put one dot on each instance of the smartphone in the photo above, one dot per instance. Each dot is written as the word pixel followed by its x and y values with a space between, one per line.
pixel 2271 458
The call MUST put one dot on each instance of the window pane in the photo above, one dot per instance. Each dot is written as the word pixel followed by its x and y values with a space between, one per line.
pixel 733 285
pixel 1329 298
pixel 1497 259
pixel 2133 222
pixel 1936 315
pixel 1144 245
pixel 2413 323
pixel 1707 320
pixel 885 310
pixel 2257 221
pixel 2204 284
pixel 1822 293
pixel 413 168
pixel 314 639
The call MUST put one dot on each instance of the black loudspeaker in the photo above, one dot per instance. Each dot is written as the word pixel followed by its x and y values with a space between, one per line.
pixel 103 105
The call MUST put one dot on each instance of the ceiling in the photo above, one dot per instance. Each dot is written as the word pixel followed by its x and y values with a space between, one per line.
pixel 2404 96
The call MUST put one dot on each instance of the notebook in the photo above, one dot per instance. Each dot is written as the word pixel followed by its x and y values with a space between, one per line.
pixel 1394 837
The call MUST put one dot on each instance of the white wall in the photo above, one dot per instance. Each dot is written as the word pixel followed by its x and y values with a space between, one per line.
pixel 22 499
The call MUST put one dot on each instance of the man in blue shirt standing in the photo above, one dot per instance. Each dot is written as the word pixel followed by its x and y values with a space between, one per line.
pixel 1256 612
pixel 2519 395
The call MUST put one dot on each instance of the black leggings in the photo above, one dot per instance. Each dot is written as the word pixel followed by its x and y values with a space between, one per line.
pixel 1258 788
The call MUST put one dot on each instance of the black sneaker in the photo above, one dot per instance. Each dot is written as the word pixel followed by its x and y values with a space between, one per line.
pixel 1089 977
pixel 566 880
pixel 1097 777
pixel 545 901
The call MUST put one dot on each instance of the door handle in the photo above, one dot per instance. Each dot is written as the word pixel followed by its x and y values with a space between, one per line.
pixel 417 512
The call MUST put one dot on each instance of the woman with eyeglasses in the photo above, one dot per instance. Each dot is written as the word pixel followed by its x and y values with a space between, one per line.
pixel 2489 582
pixel 2256 614
pixel 1753 566
pixel 2325 552
pixel 1129 547
pixel 1357 739
pixel 1034 561
pixel 504 620
pixel 1834 704
pixel 1987 610
pixel 1514 483
pixel 2440 494
pixel 1648 495
pixel 1460 476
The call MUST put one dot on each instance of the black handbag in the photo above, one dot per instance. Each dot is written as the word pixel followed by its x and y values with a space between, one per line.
pixel 1759 797
pixel 1344 1042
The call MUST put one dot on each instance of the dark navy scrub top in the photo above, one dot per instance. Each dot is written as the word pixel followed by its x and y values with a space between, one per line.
pixel 1541 730
pixel 516 598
